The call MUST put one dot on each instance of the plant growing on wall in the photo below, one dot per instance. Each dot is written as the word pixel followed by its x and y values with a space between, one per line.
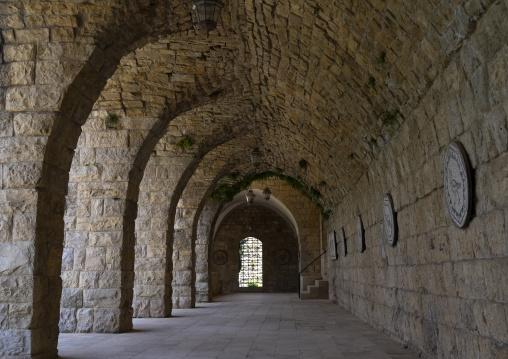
pixel 226 192
pixel 232 176
pixel 388 117
pixel 111 120
pixel 303 164
pixel 381 59
pixel 371 82
pixel 184 144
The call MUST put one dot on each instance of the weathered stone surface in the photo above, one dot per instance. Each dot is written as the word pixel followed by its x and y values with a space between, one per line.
pixel 4 316
pixel 5 228
pixel 68 259
pixel 106 321
pixel 72 298
pixel 95 259
pixel 85 320
pixel 16 258
pixel 101 298
pixel 24 228
pixel 15 342
pixel 68 320
pixel 30 98
pixel 105 239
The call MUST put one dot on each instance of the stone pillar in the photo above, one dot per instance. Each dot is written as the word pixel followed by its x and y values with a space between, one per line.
pixel 184 277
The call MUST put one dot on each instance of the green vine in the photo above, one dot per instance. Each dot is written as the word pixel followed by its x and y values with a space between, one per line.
pixel 388 117
pixel 371 82
pixel 303 164
pixel 227 192
pixel 184 144
pixel 381 60
pixel 232 176
pixel 111 120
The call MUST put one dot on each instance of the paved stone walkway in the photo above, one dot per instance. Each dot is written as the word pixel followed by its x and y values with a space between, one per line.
pixel 254 325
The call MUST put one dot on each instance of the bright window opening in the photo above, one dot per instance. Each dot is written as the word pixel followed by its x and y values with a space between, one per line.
pixel 251 261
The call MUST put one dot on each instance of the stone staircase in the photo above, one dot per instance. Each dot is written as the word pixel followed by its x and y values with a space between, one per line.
pixel 313 288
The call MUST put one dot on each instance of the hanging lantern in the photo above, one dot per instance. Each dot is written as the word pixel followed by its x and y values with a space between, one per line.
pixel 267 193
pixel 255 157
pixel 250 197
pixel 207 13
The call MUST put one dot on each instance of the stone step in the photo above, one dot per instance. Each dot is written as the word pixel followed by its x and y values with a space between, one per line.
pixel 318 290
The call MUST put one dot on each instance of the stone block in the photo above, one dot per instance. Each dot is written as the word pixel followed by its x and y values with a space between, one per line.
pixel 105 239
pixel 6 125
pixel 182 277
pixel 68 320
pixel 149 291
pixel 15 343
pixel 70 279
pixel 76 239
pixel 68 259
pixel 85 320
pixel 17 73
pixel 113 258
pixel 33 98
pixel 89 280
pixel 16 288
pixel 4 316
pixel 157 309
pixel 101 298
pixel 79 258
pixel 23 52
pixel 106 321
pixel 141 308
pixel 23 149
pixel 16 258
pixel 5 228
pixel 95 259
pixel 114 207
pixel 72 298
pixel 110 279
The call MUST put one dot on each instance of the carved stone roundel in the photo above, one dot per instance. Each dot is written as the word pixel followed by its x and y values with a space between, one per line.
pixel 458 185
pixel 389 223
pixel 220 257
pixel 282 257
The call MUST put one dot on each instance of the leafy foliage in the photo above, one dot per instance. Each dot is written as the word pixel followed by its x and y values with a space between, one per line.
pixel 388 117
pixel 371 82
pixel 111 120
pixel 303 164
pixel 228 192
pixel 381 60
pixel 184 144
pixel 232 176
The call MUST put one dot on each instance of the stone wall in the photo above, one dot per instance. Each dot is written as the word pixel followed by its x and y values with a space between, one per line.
pixel 441 290
pixel 275 234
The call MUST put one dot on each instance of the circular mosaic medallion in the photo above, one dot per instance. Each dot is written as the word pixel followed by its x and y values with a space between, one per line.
pixel 282 257
pixel 220 257
pixel 361 234
pixel 389 222
pixel 458 186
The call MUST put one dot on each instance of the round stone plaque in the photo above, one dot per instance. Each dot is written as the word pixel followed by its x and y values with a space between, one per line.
pixel 390 221
pixel 282 257
pixel 458 186
pixel 361 234
pixel 220 257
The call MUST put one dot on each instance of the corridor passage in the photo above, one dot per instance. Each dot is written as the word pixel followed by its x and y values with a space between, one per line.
pixel 254 325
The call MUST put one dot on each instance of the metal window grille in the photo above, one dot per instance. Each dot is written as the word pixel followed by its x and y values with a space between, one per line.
pixel 251 261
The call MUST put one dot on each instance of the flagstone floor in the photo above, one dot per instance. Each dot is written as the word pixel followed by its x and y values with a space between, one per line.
pixel 242 325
